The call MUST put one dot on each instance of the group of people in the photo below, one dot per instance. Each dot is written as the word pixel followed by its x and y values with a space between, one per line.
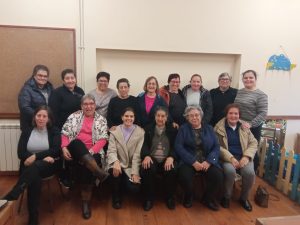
pixel 166 131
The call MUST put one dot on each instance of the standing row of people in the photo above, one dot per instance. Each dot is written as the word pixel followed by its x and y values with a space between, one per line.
pixel 84 133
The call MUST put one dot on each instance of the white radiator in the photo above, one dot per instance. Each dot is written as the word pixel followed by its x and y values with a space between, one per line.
pixel 9 137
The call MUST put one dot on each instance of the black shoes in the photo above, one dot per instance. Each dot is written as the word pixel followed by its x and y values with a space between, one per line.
pixel 246 205
pixel 171 203
pixel 148 204
pixel 211 205
pixel 66 183
pixel 86 210
pixel 188 202
pixel 225 202
pixel 116 203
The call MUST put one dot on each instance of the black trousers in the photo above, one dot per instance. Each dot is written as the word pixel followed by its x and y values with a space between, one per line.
pixel 78 149
pixel 256 131
pixel 31 177
pixel 213 177
pixel 149 177
pixel 122 183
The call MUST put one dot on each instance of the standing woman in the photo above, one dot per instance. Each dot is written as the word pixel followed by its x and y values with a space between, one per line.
pixel 196 94
pixel 35 92
pixel 118 104
pixel 253 106
pixel 65 99
pixel 158 157
pixel 38 149
pixel 123 156
pixel 149 100
pixel 103 93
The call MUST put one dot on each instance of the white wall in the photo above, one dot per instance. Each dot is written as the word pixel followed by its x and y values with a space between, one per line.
pixel 254 29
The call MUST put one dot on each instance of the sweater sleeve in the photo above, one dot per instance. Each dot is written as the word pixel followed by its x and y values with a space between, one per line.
pixel 99 145
pixel 261 109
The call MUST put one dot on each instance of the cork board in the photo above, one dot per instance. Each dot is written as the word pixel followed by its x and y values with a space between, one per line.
pixel 21 48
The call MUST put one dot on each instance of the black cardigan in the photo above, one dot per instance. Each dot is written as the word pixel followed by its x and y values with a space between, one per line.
pixel 171 133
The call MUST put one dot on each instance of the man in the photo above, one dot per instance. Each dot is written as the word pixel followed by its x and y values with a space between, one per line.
pixel 221 97
pixel 174 98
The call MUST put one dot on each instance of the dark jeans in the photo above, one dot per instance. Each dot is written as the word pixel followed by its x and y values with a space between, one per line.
pixel 122 183
pixel 149 176
pixel 213 177
pixel 256 131
pixel 78 149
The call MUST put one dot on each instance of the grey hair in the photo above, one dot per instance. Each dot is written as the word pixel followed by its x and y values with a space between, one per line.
pixel 224 75
pixel 87 96
pixel 190 108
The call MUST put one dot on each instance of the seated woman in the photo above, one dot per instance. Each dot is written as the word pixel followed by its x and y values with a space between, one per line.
pixel 159 158
pixel 38 150
pixel 123 156
pixel 198 149
pixel 83 136
pixel 238 147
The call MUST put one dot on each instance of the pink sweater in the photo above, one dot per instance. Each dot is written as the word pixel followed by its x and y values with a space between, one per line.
pixel 85 135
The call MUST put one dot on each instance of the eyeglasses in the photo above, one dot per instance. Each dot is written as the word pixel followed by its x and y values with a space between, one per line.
pixel 194 115
pixel 42 76
pixel 102 81
pixel 224 79
pixel 88 104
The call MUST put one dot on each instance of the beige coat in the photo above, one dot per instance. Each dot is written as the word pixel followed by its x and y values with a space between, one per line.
pixel 248 142
pixel 129 154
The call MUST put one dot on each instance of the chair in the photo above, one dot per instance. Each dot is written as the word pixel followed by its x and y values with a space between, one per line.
pixel 46 180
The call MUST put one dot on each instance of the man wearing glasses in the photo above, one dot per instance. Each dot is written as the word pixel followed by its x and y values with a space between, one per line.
pixel 221 97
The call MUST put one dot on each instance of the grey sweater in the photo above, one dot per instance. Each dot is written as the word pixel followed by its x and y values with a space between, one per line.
pixel 253 106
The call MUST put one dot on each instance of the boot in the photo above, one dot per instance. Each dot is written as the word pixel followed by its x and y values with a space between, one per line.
pixel 15 192
pixel 90 163
pixel 33 219
pixel 86 195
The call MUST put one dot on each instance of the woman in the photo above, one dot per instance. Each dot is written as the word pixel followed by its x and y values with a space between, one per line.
pixel 158 157
pixel 149 100
pixel 38 150
pixel 103 93
pixel 83 136
pixel 117 105
pixel 123 157
pixel 174 97
pixel 35 92
pixel 66 99
pixel 198 149
pixel 253 106
pixel 196 94
pixel 238 147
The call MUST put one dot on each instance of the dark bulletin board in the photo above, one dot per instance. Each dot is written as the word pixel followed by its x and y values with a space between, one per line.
pixel 21 48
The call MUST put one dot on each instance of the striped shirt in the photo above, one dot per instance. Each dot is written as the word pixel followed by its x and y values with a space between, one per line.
pixel 253 106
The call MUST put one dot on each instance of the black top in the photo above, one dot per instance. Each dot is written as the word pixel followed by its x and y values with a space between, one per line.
pixel 116 107
pixel 64 102
pixel 220 100
pixel 177 106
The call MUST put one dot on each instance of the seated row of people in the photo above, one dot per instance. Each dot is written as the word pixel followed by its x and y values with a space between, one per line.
pixel 135 155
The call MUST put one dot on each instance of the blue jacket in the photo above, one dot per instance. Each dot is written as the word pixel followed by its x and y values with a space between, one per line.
pixel 145 118
pixel 185 145
pixel 30 97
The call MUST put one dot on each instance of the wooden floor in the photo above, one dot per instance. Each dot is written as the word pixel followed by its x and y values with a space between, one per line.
pixel 69 212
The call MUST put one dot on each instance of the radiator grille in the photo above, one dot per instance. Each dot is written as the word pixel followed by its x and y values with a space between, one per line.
pixel 9 137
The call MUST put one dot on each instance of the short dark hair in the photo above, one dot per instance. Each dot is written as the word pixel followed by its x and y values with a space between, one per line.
pixel 122 80
pixel 173 76
pixel 103 74
pixel 40 67
pixel 230 106
pixel 49 112
pixel 250 71
pixel 161 108
pixel 147 80
pixel 130 109
pixel 65 72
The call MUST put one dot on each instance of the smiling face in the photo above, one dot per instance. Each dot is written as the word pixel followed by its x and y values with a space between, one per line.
pixel 123 90
pixel 41 78
pixel 88 107
pixel 70 81
pixel 174 85
pixel 194 118
pixel 41 119
pixel 249 80
pixel 102 84
pixel 128 118
pixel 233 116
pixel 161 118
pixel 196 83
pixel 224 83
pixel 151 86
